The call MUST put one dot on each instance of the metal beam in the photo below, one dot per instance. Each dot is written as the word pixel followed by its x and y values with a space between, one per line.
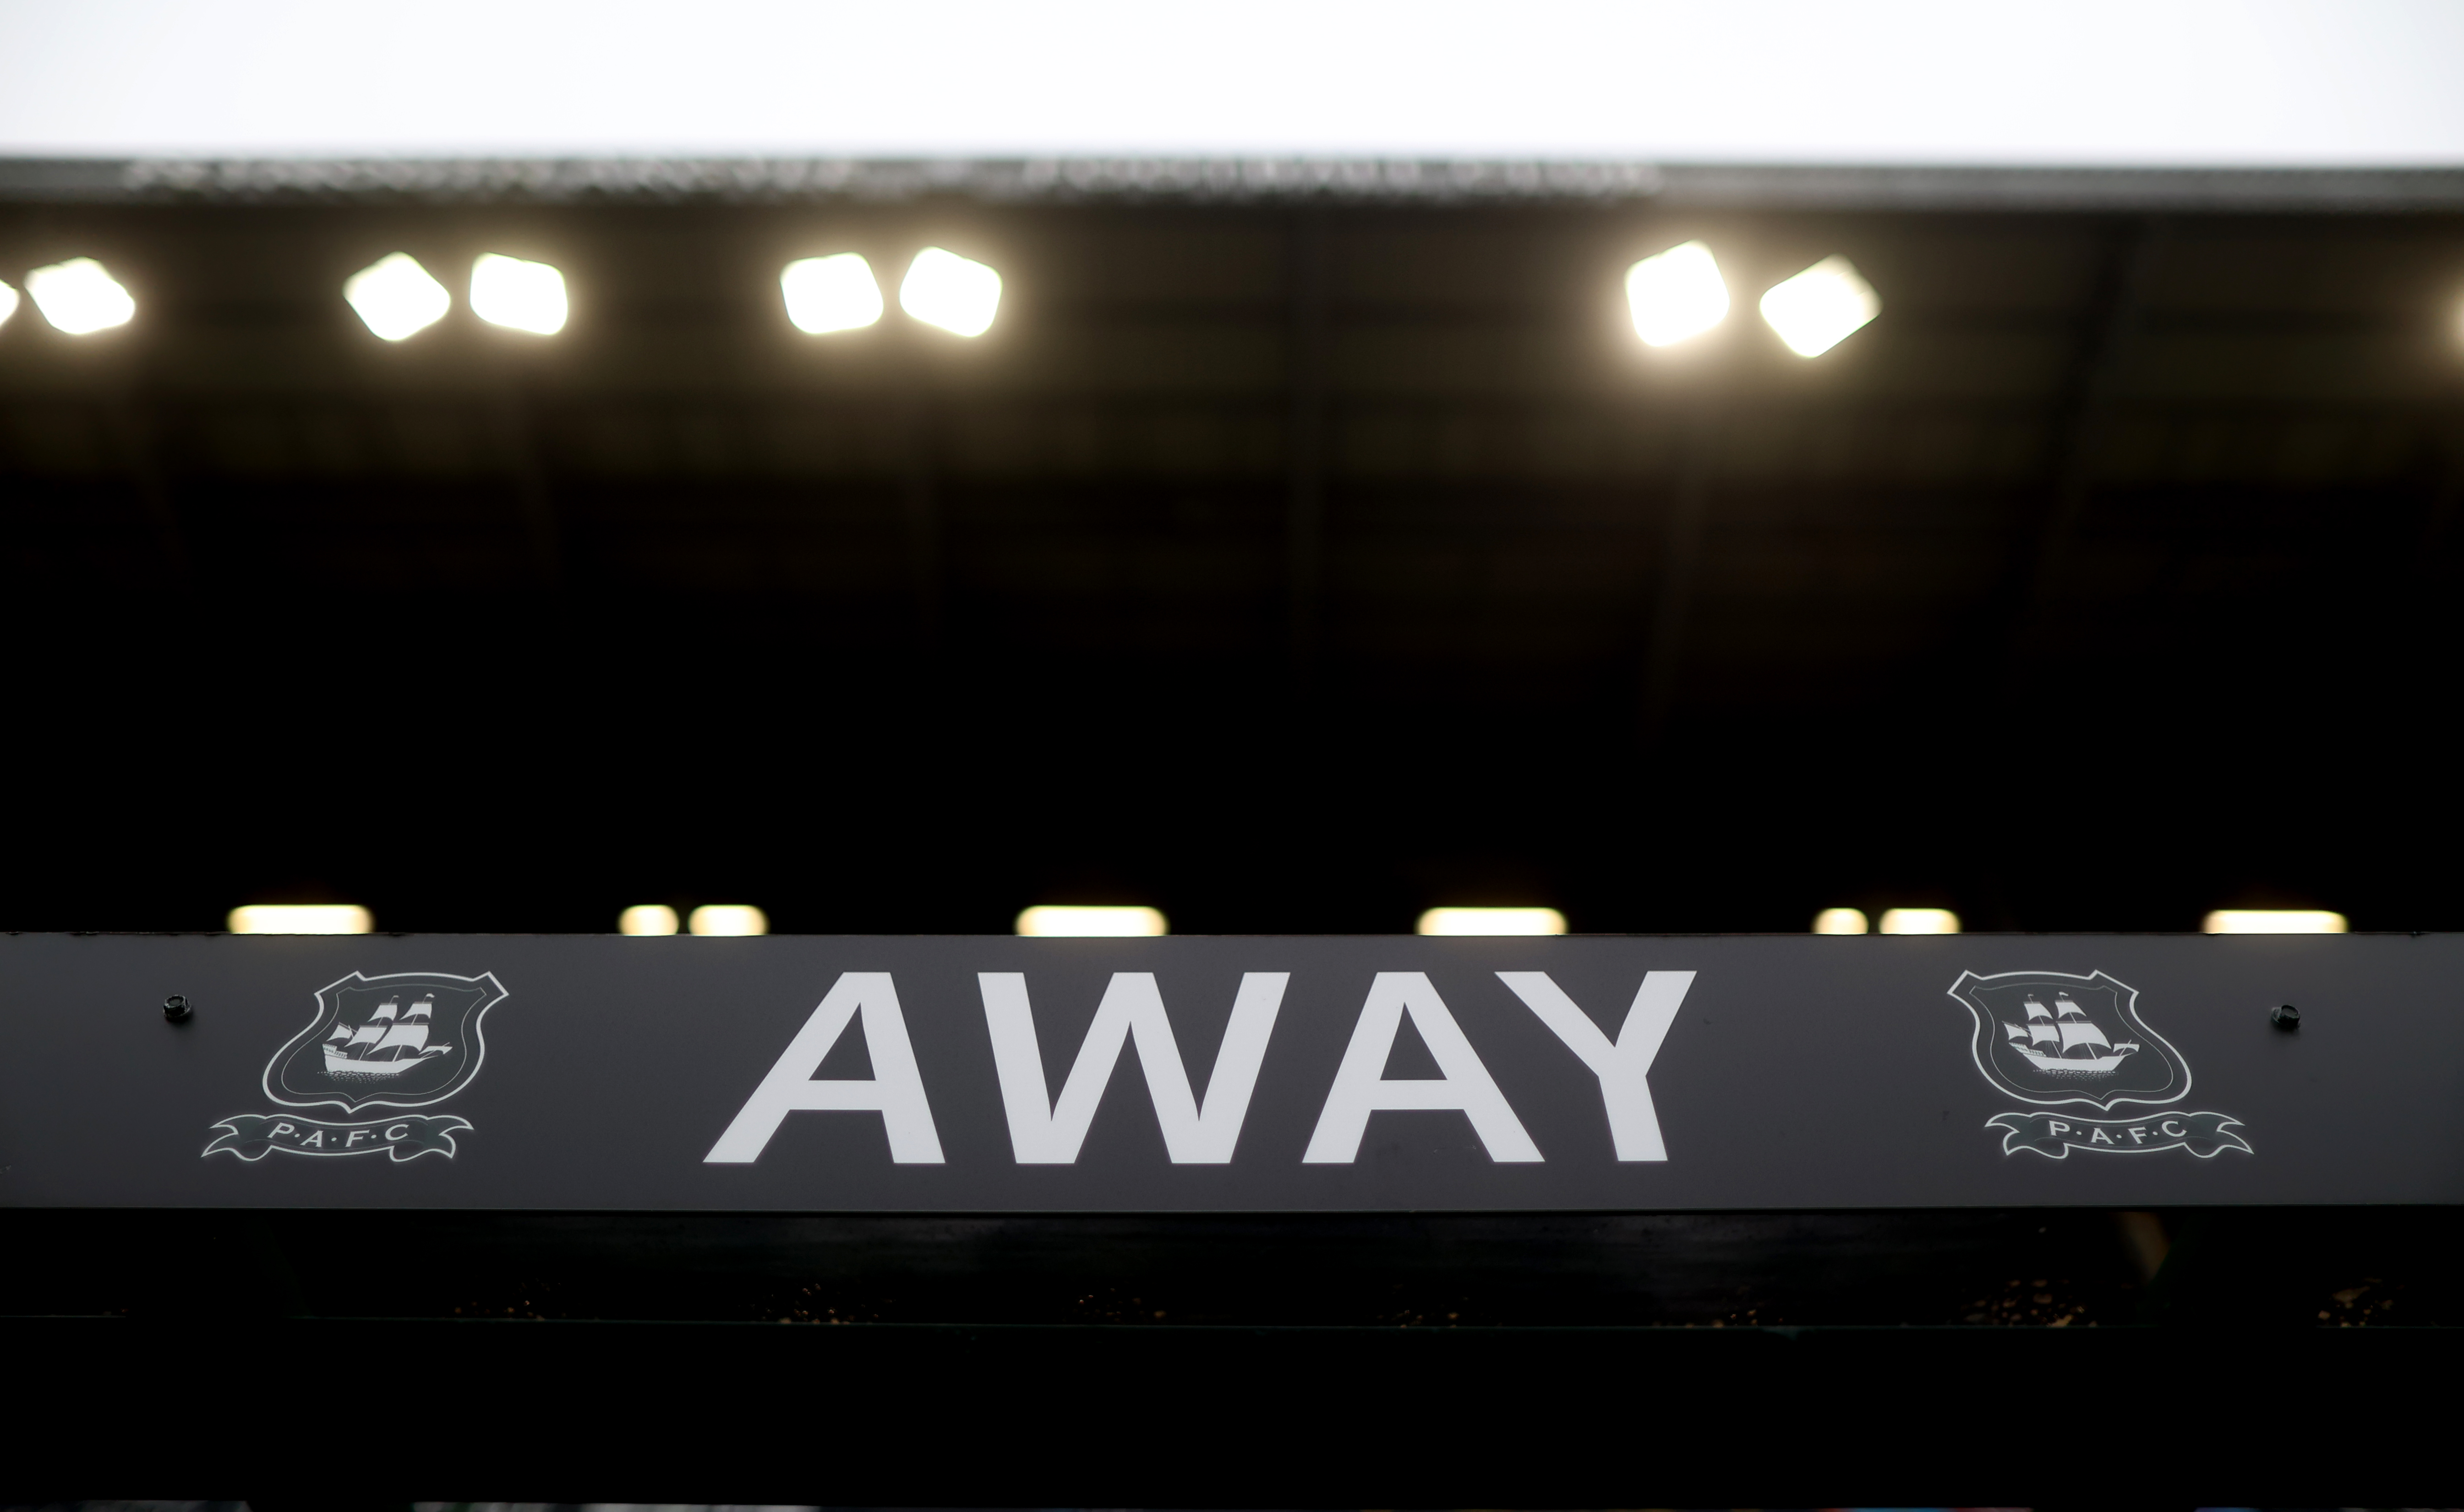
pixel 134 428
pixel 1681 558
pixel 1305 445
pixel 919 497
pixel 534 498
pixel 2080 428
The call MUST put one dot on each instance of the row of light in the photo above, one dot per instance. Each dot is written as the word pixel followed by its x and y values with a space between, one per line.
pixel 1674 295
pixel 399 299
pixel 2221 921
pixel 1679 293
pixel 1052 920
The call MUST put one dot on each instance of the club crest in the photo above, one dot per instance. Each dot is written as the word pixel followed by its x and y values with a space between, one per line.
pixel 405 1039
pixel 2051 1037
pixel 2056 1040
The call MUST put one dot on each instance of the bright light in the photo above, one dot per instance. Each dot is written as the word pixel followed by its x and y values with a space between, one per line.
pixel 728 918
pixel 1108 923
pixel 396 297
pixel 946 290
pixel 8 303
pixel 525 296
pixel 1820 307
pixel 302 918
pixel 1920 921
pixel 836 293
pixel 1676 294
pixel 1840 921
pixel 1492 921
pixel 80 297
pixel 2273 921
pixel 649 918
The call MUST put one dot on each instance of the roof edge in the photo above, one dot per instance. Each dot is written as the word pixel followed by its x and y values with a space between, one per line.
pixel 1216 179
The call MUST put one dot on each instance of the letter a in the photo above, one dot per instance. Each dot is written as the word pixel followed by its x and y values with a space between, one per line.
pixel 1634 1125
pixel 1049 1134
pixel 1360 1087
pixel 896 1091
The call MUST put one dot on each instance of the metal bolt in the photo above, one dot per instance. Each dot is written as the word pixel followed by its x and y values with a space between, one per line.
pixel 2284 1015
pixel 176 1008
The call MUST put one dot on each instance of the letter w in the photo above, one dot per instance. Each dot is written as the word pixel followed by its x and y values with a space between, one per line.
pixel 1046 1133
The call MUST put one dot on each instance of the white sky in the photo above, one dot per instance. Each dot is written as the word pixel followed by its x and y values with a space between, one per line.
pixel 2080 82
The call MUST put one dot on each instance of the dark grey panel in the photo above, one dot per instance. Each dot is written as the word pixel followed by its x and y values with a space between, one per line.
pixel 1248 180
pixel 1799 1072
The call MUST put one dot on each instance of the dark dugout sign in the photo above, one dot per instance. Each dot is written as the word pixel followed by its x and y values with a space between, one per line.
pixel 1195 1074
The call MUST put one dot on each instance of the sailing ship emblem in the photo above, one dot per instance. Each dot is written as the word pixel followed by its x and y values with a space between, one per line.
pixel 2051 1036
pixel 390 1042
pixel 405 1039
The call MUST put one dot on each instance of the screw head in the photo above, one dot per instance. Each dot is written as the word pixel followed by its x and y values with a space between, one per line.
pixel 2284 1015
pixel 176 1008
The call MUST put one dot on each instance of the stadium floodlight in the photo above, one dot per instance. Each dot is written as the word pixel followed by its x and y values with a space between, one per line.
pixel 8 303
pixel 396 297
pixel 522 296
pixel 837 293
pixel 1920 921
pixel 2273 921
pixel 1840 921
pixel 647 918
pixel 944 289
pixel 1820 307
pixel 1079 921
pixel 80 297
pixel 300 918
pixel 728 918
pixel 1492 921
pixel 1676 293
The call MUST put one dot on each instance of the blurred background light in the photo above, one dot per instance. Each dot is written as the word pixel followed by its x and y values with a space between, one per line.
pixel 300 918
pixel 728 918
pixel 648 918
pixel 1090 922
pixel 1840 921
pixel 1676 293
pixel 1820 307
pixel 944 289
pixel 1920 921
pixel 525 295
pixel 1492 921
pixel 396 297
pixel 7 302
pixel 2273 921
pixel 80 297
pixel 2191 83
pixel 837 293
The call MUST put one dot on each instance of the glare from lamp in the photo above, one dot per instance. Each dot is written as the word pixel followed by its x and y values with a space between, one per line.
pixel 944 289
pixel 837 293
pixel 521 295
pixel 1676 293
pixel 1920 921
pixel 300 918
pixel 1840 921
pixel 396 297
pixel 1492 921
pixel 1052 920
pixel 80 297
pixel 648 918
pixel 728 918
pixel 2273 921
pixel 8 303
pixel 1820 307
